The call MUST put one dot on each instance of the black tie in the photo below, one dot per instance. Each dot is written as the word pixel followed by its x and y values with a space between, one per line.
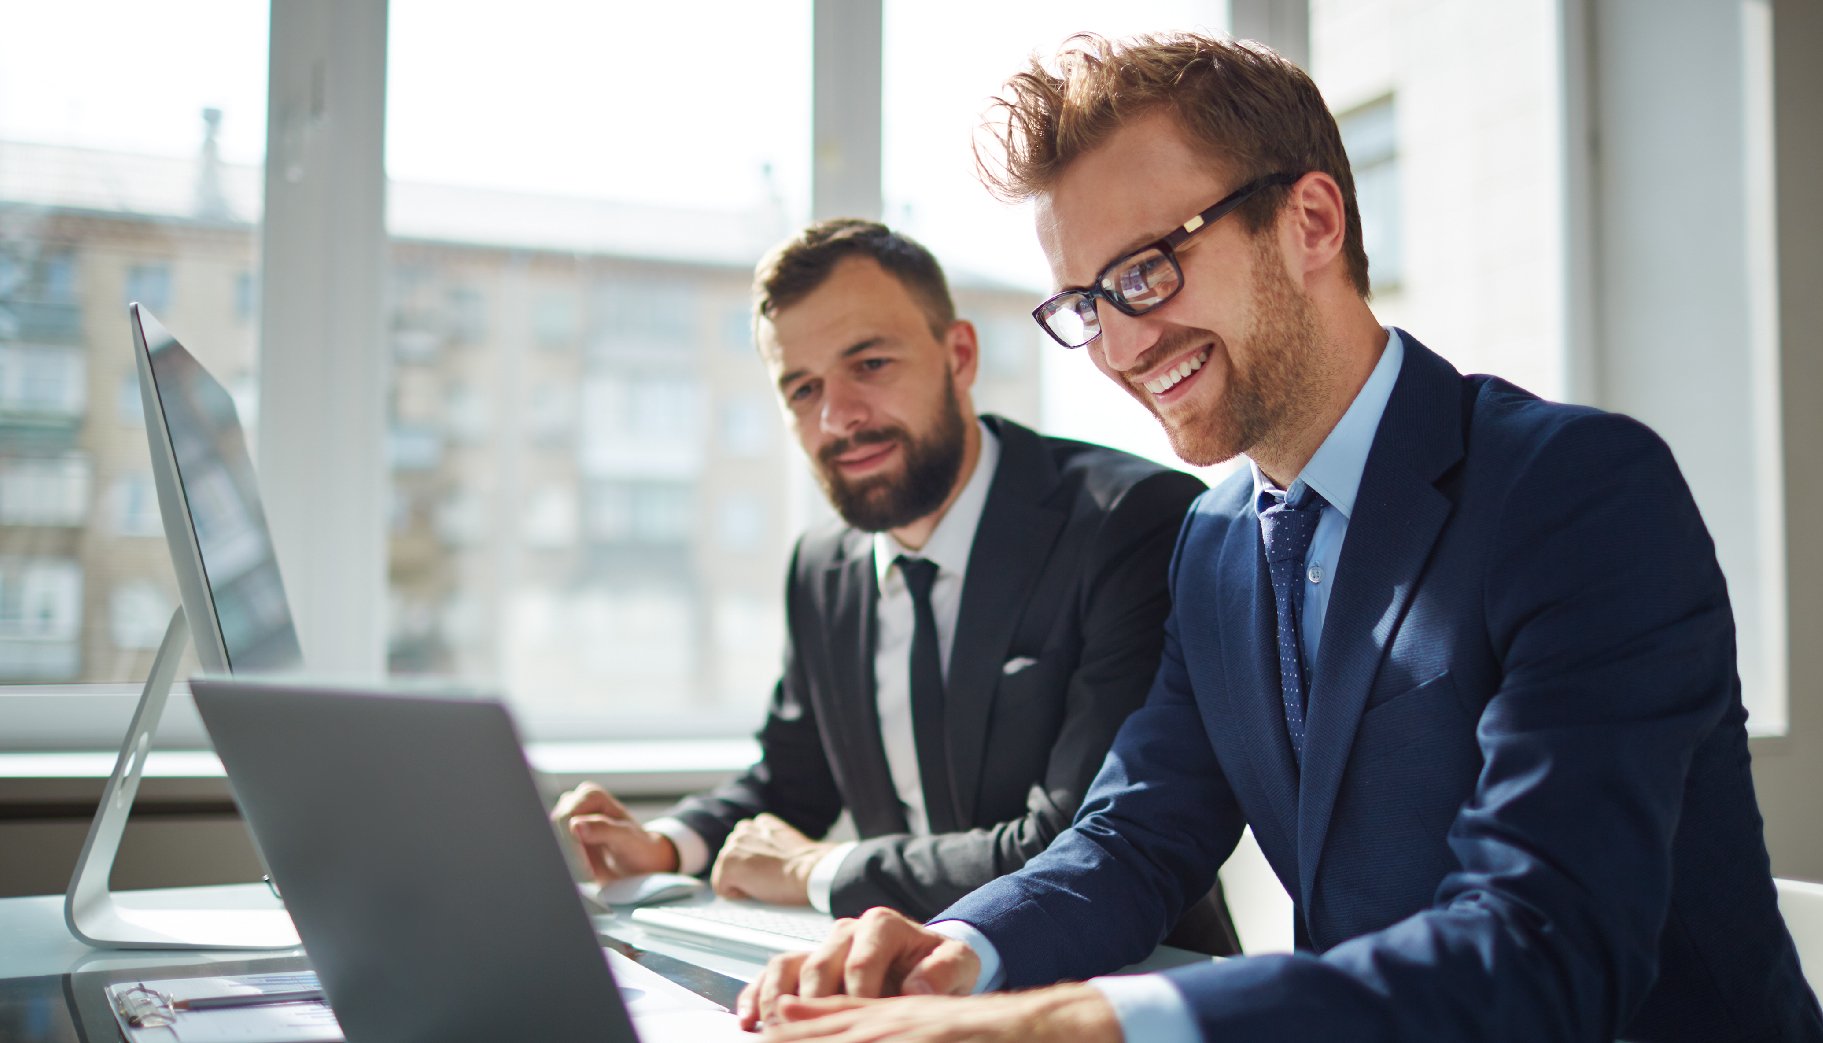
pixel 927 693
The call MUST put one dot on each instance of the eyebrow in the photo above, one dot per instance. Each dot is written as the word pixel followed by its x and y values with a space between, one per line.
pixel 788 379
pixel 1131 246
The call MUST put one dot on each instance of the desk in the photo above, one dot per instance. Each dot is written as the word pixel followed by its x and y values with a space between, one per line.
pixel 51 984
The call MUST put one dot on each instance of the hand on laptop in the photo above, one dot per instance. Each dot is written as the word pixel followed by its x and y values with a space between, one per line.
pixel 883 953
pixel 767 860
pixel 611 839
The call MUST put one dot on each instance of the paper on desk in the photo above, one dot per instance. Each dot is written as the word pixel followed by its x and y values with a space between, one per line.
pixel 309 1022
pixel 666 1012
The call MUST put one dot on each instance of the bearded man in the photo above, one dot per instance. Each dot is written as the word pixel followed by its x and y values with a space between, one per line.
pixel 960 652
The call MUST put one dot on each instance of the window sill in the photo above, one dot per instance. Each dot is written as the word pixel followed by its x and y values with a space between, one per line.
pixel 655 768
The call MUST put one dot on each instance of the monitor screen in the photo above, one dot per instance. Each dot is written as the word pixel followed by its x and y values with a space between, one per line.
pixel 219 503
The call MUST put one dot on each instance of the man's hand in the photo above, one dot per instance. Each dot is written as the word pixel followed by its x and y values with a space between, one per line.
pixel 1060 1014
pixel 612 841
pixel 884 953
pixel 768 861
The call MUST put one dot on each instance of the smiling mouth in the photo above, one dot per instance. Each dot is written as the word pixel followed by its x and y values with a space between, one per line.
pixel 1176 374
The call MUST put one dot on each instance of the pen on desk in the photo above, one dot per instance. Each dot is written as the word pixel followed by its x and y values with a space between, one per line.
pixel 247 999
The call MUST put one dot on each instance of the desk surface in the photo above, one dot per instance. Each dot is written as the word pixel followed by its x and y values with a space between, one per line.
pixel 51 984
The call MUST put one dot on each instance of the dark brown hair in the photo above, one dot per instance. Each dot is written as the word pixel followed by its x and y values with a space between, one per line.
pixel 1251 110
pixel 796 267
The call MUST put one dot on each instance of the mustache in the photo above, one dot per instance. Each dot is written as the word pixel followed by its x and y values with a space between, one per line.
pixel 1175 342
pixel 874 436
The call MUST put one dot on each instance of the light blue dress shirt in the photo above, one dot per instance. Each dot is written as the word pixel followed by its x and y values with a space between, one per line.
pixel 1147 1006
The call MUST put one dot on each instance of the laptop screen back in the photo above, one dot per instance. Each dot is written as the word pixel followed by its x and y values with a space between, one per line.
pixel 413 852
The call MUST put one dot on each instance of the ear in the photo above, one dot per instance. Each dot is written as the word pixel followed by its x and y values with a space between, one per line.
pixel 964 351
pixel 1317 223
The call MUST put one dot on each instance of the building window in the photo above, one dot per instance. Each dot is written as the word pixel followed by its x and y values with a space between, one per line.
pixel 1369 134
pixel 747 426
pixel 43 380
pixel 740 524
pixel 129 403
pixel 135 505
pixel 48 491
pixel 467 315
pixel 150 285
pixel 554 321
pixel 57 276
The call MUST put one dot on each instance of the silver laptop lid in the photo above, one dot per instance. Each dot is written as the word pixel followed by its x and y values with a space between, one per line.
pixel 413 852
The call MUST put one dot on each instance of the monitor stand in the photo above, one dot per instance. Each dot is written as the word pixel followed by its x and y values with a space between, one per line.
pixel 99 917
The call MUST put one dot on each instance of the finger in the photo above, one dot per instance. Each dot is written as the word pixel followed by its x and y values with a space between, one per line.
pixel 804 1014
pixel 779 979
pixel 822 973
pixel 886 946
pixel 951 969
pixel 582 798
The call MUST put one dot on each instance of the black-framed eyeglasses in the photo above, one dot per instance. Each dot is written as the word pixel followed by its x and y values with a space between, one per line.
pixel 1137 282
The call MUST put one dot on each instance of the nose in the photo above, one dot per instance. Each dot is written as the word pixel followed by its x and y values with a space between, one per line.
pixel 844 411
pixel 1124 339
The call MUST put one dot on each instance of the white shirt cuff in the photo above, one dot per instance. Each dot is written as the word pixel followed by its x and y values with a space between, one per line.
pixel 992 974
pixel 1148 1008
pixel 692 850
pixel 822 882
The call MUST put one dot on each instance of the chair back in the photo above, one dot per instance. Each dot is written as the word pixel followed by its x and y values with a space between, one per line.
pixel 1801 903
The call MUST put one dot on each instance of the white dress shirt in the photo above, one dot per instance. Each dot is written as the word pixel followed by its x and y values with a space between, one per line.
pixel 949 546
pixel 1148 1006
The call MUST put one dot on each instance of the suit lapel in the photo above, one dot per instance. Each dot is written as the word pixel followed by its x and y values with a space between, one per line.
pixel 1012 543
pixel 851 590
pixel 1399 513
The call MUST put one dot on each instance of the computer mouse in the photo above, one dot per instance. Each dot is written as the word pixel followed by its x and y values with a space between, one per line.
pixel 649 889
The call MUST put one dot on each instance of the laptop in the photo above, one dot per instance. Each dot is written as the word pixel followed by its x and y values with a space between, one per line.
pixel 413 851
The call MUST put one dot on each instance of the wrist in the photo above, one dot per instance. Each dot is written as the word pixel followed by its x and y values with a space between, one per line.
pixel 1073 1012
pixel 668 857
pixel 800 864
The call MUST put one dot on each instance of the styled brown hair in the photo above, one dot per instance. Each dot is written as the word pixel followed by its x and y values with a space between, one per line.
pixel 1251 110
pixel 796 267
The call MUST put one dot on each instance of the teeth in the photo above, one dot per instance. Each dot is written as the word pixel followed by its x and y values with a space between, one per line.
pixel 1172 377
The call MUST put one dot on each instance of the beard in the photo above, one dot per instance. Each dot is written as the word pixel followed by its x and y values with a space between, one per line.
pixel 1281 382
pixel 881 502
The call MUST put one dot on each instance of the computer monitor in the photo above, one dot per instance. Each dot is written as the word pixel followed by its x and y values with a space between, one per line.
pixel 233 605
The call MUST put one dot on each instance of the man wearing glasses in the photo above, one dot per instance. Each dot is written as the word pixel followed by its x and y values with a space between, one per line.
pixel 1462 658
pixel 961 650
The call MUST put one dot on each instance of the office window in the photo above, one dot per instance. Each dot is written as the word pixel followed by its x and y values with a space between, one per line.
pixel 988 249
pixel 105 175
pixel 1370 135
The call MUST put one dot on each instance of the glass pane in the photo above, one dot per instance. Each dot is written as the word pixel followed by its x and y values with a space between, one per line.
pixel 587 464
pixel 130 169
pixel 929 123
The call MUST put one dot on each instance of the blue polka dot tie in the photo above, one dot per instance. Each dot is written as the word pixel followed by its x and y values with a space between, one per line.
pixel 1287 529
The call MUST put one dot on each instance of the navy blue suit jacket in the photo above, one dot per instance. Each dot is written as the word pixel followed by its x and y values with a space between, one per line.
pixel 1525 810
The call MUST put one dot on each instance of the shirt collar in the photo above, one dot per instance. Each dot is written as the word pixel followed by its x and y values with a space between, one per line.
pixel 954 537
pixel 1334 471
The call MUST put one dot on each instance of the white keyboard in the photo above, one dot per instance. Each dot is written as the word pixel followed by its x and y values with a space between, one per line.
pixel 749 925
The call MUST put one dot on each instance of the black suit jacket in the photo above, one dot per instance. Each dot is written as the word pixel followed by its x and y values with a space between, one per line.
pixel 1057 639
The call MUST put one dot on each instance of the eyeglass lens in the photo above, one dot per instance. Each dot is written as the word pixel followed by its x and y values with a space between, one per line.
pixel 1147 280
